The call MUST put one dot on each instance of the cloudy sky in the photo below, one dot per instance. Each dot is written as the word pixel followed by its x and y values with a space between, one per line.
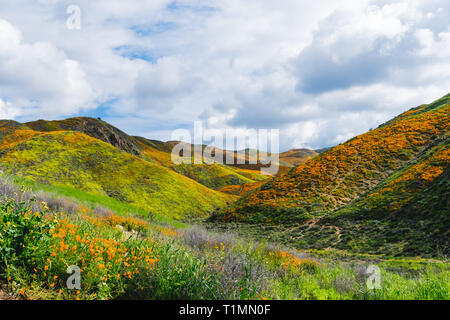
pixel 320 71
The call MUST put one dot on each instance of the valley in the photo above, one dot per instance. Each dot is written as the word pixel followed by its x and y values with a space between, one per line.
pixel 82 192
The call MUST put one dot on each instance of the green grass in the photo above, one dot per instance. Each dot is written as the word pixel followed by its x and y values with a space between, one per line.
pixel 95 200
pixel 166 263
pixel 344 282
pixel 196 265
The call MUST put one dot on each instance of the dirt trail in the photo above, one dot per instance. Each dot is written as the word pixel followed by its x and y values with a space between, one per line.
pixel 339 237
pixel 350 172
pixel 4 294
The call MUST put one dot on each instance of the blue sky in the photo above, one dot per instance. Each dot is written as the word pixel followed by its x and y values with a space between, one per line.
pixel 320 71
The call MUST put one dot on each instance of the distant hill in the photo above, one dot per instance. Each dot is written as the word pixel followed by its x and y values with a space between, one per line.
pixel 296 157
pixel 9 126
pixel 390 182
pixel 322 150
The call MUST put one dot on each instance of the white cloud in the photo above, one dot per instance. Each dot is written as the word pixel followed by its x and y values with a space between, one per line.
pixel 321 71
pixel 39 74
pixel 436 46
pixel 7 110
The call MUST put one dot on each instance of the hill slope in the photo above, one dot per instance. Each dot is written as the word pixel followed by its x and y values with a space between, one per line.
pixel 385 191
pixel 406 214
pixel 296 157
pixel 77 160
pixel 95 128
pixel 210 174
pixel 346 172
pixel 156 152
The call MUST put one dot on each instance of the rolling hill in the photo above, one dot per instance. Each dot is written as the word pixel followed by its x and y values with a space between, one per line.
pixel 154 151
pixel 102 130
pixel 74 159
pixel 211 175
pixel 95 128
pixel 296 157
pixel 383 191
pixel 406 214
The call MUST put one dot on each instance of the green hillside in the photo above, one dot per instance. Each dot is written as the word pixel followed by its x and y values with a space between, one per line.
pixel 95 128
pixel 216 176
pixel 383 192
pixel 296 157
pixel 156 152
pixel 76 160
pixel 346 172
pixel 406 214
pixel 211 175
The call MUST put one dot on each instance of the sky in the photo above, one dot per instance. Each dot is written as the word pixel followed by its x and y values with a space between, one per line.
pixel 319 71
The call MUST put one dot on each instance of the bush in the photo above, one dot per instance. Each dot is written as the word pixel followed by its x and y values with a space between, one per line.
pixel 21 231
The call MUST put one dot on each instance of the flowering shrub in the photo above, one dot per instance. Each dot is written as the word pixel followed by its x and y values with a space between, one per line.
pixel 291 263
pixel 46 244
pixel 20 231
pixel 37 248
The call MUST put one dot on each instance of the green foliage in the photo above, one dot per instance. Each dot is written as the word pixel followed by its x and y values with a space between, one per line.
pixel 94 200
pixel 19 232
pixel 154 262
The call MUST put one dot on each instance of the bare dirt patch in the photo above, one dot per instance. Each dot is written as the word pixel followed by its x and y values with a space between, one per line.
pixel 4 293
